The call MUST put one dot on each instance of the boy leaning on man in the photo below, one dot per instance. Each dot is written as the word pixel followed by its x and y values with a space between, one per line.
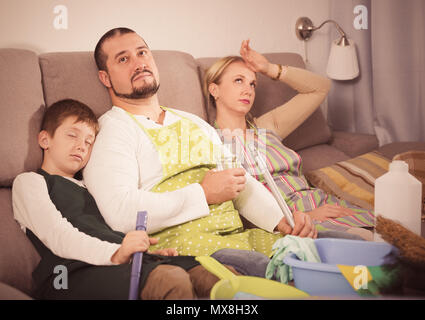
pixel 64 224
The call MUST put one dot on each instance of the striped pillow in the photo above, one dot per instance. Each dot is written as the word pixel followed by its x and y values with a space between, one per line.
pixel 352 180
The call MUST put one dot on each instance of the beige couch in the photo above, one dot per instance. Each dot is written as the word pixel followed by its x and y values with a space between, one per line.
pixel 29 83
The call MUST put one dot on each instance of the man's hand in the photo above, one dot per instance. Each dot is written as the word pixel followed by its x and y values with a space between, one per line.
pixel 221 186
pixel 304 226
pixel 328 211
pixel 134 241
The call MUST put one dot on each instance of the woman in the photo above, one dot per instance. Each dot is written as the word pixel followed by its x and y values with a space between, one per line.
pixel 230 85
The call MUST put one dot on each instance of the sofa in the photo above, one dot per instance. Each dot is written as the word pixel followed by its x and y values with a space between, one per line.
pixel 29 83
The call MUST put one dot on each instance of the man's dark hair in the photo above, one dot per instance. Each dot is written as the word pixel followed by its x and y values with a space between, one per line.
pixel 61 110
pixel 99 56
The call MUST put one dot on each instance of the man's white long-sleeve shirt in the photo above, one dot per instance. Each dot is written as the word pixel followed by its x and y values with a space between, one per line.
pixel 125 165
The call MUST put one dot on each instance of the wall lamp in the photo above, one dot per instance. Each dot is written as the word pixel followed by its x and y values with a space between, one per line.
pixel 342 63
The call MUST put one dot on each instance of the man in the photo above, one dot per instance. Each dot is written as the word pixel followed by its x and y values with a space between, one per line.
pixel 144 149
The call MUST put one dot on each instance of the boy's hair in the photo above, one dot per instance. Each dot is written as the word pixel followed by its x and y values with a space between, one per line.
pixel 60 110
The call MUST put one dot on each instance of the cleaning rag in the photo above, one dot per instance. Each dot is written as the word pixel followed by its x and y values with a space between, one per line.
pixel 303 248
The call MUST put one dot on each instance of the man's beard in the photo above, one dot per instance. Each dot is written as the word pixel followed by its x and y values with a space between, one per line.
pixel 143 92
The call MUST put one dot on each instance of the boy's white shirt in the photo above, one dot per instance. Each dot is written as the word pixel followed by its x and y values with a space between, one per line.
pixel 33 209
pixel 122 187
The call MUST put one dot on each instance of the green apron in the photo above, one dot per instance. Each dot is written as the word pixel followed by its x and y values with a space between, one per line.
pixel 186 154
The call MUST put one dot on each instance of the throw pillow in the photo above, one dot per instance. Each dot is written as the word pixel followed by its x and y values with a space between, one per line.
pixel 352 180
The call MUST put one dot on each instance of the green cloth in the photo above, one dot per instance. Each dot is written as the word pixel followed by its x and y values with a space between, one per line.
pixel 383 277
pixel 304 249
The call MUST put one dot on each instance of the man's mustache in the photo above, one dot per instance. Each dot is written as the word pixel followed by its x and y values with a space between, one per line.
pixel 139 72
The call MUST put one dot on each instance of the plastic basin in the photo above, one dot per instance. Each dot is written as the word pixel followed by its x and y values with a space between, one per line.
pixel 324 278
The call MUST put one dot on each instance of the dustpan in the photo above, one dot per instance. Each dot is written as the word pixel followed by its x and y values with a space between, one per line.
pixel 231 285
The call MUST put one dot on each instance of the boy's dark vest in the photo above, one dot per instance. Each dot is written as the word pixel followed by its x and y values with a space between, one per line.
pixel 78 207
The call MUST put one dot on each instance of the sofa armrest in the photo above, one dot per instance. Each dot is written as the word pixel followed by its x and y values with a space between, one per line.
pixel 354 144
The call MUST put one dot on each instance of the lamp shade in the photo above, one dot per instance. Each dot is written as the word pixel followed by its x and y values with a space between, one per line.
pixel 342 63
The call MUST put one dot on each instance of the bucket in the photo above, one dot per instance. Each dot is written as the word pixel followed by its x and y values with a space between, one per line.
pixel 325 278
pixel 232 286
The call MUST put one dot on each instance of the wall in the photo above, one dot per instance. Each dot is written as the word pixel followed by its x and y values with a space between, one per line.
pixel 199 27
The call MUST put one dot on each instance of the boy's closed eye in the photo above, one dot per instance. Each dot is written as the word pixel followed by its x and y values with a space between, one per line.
pixel 76 133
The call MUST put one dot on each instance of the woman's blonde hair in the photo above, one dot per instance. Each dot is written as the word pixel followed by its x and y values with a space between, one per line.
pixel 214 74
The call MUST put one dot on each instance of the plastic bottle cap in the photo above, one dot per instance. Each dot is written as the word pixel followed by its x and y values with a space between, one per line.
pixel 399 166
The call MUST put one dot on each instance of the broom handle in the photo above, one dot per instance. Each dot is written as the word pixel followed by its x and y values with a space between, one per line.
pixel 272 184
pixel 137 260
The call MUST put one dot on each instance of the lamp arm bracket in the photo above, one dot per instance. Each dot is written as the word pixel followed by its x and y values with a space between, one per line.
pixel 304 29
pixel 338 27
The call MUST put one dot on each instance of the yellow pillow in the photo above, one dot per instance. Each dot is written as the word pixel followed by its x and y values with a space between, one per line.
pixel 352 180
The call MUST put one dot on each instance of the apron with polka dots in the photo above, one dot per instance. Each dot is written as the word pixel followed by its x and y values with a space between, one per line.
pixel 186 154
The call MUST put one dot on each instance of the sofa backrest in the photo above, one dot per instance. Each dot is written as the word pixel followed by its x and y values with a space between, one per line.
pixel 74 75
pixel 270 94
pixel 21 110
pixel 22 107
pixel 29 83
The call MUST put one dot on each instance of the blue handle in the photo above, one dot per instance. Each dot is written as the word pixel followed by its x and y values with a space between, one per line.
pixel 137 260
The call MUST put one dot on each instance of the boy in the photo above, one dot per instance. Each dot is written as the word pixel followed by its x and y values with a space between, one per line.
pixel 65 226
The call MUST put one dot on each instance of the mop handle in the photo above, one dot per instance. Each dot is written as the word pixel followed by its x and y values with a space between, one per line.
pixel 137 260
pixel 272 184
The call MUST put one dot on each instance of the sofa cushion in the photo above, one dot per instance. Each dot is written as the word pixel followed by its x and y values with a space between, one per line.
pixel 21 110
pixel 394 148
pixel 354 144
pixel 74 75
pixel 180 85
pixel 270 94
pixel 320 156
pixel 352 180
pixel 312 132
pixel 18 257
